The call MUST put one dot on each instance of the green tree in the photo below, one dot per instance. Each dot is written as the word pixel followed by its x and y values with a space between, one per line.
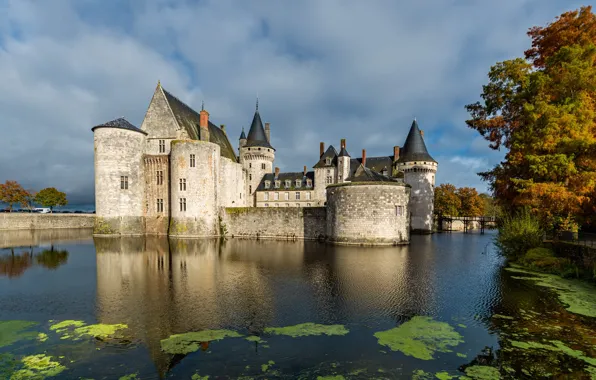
pixel 50 197
pixel 471 203
pixel 542 109
pixel 491 208
pixel 12 192
pixel 447 203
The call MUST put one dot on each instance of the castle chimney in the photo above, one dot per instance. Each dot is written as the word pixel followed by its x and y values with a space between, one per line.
pixel 304 169
pixel 364 157
pixel 421 133
pixel 342 144
pixel 321 149
pixel 268 132
pixel 203 124
pixel 395 153
pixel 276 172
pixel 223 128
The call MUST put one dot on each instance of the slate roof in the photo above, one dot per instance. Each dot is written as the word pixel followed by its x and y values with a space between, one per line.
pixel 287 176
pixel 414 148
pixel 343 152
pixel 120 123
pixel 189 120
pixel 243 135
pixel 374 163
pixel 256 133
pixel 329 153
pixel 364 174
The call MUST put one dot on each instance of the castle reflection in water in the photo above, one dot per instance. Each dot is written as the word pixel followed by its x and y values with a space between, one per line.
pixel 161 287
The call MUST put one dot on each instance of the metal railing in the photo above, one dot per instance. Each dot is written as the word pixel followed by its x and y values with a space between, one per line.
pixel 579 238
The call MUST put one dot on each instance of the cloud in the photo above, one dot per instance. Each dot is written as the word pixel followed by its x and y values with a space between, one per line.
pixel 324 70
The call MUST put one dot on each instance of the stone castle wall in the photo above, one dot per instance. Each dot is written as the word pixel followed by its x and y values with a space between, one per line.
pixel 271 222
pixel 156 220
pixel 22 221
pixel 231 186
pixel 200 215
pixel 368 213
pixel 421 177
pixel 119 152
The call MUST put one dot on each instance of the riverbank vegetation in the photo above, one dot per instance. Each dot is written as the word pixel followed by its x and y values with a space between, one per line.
pixel 463 201
pixel 542 110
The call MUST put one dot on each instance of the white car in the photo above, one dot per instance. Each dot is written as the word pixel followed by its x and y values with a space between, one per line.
pixel 42 210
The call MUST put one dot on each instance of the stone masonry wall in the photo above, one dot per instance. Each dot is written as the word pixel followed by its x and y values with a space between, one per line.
pixel 18 221
pixel 119 152
pixel 369 214
pixel 231 186
pixel 421 177
pixel 276 223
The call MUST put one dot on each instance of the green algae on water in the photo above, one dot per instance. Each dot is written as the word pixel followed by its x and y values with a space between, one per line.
pixel 556 346
pixel 256 339
pixel 444 376
pixel 14 331
pixel 420 337
pixel 421 375
pixel 42 337
pixel 579 297
pixel 196 376
pixel 336 377
pixel 189 342
pixel 265 367
pixel 307 329
pixel 462 325
pixel 72 329
pixel 38 367
pixel 500 316
pixel 462 355
pixel 132 376
pixel 482 372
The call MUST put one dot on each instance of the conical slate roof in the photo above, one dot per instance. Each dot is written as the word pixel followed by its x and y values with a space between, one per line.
pixel 414 148
pixel 343 152
pixel 242 135
pixel 120 123
pixel 256 134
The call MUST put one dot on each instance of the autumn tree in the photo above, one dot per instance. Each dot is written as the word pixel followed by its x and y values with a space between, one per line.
pixel 471 203
pixel 542 110
pixel 447 203
pixel 50 197
pixel 11 192
pixel 491 208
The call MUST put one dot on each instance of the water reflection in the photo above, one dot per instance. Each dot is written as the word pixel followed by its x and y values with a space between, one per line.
pixel 14 264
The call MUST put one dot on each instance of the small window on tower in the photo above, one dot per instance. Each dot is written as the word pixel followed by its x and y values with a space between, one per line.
pixel 182 204
pixel 124 182
pixel 192 160
pixel 250 165
pixel 263 166
pixel 250 177
pixel 162 146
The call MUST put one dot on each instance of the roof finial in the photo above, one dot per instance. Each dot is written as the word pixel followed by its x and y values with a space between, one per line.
pixel 202 105
pixel 414 118
pixel 257 101
pixel 158 83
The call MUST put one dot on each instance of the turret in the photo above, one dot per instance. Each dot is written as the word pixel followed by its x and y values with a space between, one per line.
pixel 419 172
pixel 343 163
pixel 242 141
pixel 256 155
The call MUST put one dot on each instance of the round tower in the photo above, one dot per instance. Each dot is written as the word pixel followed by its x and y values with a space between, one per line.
pixel 343 163
pixel 119 178
pixel 256 156
pixel 419 170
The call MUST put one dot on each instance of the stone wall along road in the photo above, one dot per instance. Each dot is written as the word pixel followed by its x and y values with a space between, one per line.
pixel 22 221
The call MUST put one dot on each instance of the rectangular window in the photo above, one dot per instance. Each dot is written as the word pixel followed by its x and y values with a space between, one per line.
pixel 266 204
pixel 297 195
pixel 329 179
pixel 182 204
pixel 162 146
pixel 308 195
pixel 265 196
pixel 275 196
pixel 399 210
pixel 277 184
pixel 250 189
pixel 192 160
pixel 182 184
pixel 160 205
pixel 287 196
pixel 267 184
pixel 250 165
pixel 263 166
pixel 160 177
pixel 124 182
pixel 298 183
pixel 288 183
pixel 308 183
pixel 250 177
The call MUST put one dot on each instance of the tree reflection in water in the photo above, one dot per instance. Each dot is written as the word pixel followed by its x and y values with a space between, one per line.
pixel 15 265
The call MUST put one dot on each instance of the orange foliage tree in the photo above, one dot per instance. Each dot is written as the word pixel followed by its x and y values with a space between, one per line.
pixel 542 109
pixel 12 192
pixel 471 203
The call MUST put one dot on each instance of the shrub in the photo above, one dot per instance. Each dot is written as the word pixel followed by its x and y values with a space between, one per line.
pixel 518 234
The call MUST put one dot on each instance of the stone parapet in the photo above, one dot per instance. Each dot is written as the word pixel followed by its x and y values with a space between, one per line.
pixel 21 221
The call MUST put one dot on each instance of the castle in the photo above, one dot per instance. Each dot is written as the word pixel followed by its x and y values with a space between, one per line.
pixel 178 173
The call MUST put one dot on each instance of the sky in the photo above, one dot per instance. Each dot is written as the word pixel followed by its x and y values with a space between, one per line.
pixel 323 70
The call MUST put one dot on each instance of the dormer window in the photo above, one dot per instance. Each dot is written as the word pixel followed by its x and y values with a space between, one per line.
pixel 288 183
pixel 308 183
pixel 384 171
pixel 298 182
pixel 277 184
pixel 267 184
pixel 328 161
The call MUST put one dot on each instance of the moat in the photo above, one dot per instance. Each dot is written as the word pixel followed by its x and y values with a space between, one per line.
pixel 443 307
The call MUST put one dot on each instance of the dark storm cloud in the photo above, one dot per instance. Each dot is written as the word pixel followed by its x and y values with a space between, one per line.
pixel 324 70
